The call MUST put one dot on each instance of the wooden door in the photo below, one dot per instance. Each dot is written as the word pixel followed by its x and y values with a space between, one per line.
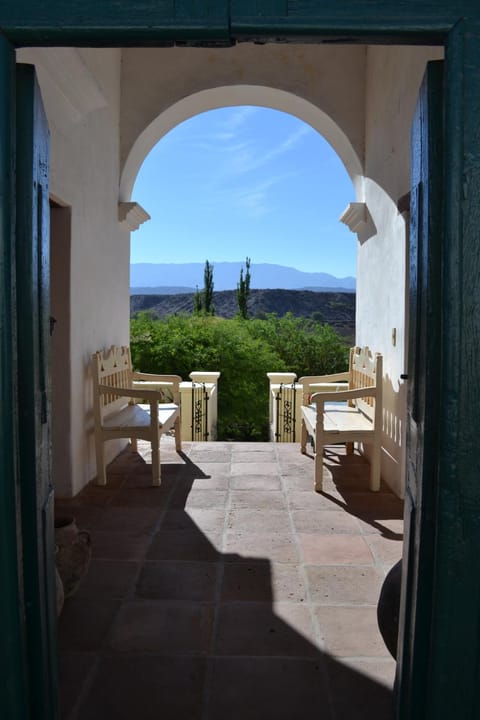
pixel 424 367
pixel 32 295
pixel 13 685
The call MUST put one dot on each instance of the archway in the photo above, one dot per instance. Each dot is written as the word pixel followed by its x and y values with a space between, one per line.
pixel 240 95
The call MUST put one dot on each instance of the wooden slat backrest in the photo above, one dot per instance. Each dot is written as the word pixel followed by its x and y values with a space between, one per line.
pixel 366 370
pixel 112 367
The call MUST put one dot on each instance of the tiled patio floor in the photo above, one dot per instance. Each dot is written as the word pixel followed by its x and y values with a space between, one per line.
pixel 233 591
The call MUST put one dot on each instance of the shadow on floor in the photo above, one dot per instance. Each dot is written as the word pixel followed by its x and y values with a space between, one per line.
pixel 167 626
pixel 346 485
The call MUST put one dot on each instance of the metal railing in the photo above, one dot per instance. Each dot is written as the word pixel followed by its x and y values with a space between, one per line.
pixel 200 400
pixel 286 413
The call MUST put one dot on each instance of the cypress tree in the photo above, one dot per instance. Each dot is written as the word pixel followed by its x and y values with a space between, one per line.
pixel 197 302
pixel 243 291
pixel 208 289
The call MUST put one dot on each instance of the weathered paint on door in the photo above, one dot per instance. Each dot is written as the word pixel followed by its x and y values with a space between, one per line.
pixel 424 364
pixel 454 681
pixel 32 294
pixel 13 686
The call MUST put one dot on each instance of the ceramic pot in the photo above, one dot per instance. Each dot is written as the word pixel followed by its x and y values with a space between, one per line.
pixel 74 553
pixel 388 608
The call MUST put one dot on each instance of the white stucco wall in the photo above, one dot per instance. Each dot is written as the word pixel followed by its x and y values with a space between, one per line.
pixel 81 93
pixel 393 77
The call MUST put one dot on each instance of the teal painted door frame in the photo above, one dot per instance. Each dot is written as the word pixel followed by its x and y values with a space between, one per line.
pixel 13 665
pixel 27 599
pixel 451 675
pixel 223 22
pixel 424 409
pixel 32 248
pixel 455 670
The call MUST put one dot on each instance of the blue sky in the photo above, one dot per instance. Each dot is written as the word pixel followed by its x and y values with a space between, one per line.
pixel 245 181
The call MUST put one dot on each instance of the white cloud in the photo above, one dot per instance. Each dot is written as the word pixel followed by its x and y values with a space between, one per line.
pixel 239 152
pixel 240 116
pixel 249 158
pixel 228 130
pixel 250 199
pixel 241 169
pixel 255 199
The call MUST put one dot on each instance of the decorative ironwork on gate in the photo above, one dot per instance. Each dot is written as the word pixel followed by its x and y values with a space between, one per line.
pixel 200 399
pixel 285 413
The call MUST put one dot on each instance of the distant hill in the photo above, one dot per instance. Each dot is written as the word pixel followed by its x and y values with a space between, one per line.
pixel 335 308
pixel 226 275
pixel 166 290
pixel 161 290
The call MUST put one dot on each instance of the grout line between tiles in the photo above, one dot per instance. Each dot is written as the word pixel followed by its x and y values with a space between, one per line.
pixel 209 670
pixel 314 624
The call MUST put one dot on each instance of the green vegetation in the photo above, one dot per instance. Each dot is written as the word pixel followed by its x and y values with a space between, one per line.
pixel 208 289
pixel 243 290
pixel 197 301
pixel 203 301
pixel 243 351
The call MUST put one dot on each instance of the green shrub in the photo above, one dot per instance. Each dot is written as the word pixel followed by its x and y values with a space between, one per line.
pixel 243 351
pixel 307 347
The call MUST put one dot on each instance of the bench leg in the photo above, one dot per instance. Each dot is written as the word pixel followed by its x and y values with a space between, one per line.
pixel 375 468
pixel 318 466
pixel 178 435
pixel 303 439
pixel 156 469
pixel 100 458
pixel 319 448
pixel 134 444
pixel 349 448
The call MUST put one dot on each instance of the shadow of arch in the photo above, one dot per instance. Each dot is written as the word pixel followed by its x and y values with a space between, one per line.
pixel 199 633
pixel 235 95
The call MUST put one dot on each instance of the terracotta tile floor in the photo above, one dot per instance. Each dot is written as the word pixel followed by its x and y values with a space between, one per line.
pixel 233 591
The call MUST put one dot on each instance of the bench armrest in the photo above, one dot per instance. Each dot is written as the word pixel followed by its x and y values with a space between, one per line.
pixel 151 377
pixel 313 379
pixel 168 382
pixel 131 392
pixel 321 398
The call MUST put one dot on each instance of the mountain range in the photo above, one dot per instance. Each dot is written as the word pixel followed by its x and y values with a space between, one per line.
pixel 160 278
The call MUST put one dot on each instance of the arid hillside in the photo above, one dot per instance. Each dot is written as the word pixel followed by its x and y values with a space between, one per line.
pixel 335 308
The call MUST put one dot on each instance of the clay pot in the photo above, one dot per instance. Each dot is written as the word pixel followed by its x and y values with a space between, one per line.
pixel 388 608
pixel 74 553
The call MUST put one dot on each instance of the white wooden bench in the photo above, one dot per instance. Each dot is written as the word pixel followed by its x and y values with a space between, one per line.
pixel 354 414
pixel 130 404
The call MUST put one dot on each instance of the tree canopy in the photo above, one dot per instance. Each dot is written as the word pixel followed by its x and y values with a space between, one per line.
pixel 244 352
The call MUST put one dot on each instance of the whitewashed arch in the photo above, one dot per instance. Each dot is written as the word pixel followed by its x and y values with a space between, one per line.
pixel 228 96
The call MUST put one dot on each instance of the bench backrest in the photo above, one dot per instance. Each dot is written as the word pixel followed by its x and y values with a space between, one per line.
pixel 366 370
pixel 112 367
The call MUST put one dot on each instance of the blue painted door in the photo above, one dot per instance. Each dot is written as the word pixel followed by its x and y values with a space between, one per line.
pixel 13 685
pixel 32 297
pixel 424 394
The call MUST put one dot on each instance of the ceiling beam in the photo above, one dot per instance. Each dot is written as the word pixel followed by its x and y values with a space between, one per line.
pixel 222 22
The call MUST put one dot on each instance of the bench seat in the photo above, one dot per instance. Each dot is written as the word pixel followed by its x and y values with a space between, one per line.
pixel 351 414
pixel 138 416
pixel 339 420
pixel 130 404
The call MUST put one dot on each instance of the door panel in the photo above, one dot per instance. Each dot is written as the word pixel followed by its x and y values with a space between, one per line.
pixel 424 367
pixel 32 273
pixel 13 687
